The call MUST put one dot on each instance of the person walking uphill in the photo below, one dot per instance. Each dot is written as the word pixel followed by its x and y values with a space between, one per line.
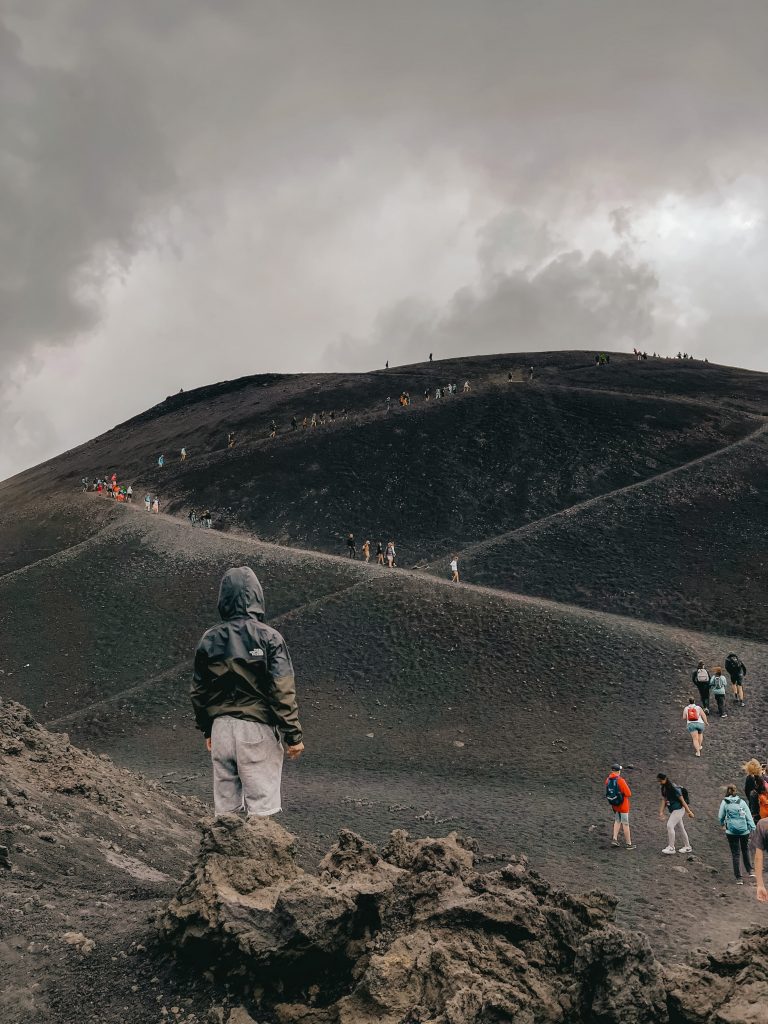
pixel 675 800
pixel 735 815
pixel 700 677
pixel 736 669
pixel 695 719
pixel 244 698
pixel 617 793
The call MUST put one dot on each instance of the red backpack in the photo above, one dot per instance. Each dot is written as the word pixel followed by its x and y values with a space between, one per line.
pixel 762 803
pixel 693 713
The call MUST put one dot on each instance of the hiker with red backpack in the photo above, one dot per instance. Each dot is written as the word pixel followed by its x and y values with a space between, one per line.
pixel 695 719
pixel 617 793
pixel 674 799
pixel 700 677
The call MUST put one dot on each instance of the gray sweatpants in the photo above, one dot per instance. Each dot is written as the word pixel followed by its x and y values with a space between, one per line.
pixel 247 767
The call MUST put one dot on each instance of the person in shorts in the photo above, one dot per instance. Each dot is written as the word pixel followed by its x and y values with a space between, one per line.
pixel 700 678
pixel 695 719
pixel 615 784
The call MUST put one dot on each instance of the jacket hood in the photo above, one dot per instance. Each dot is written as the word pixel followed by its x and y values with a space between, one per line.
pixel 732 799
pixel 240 595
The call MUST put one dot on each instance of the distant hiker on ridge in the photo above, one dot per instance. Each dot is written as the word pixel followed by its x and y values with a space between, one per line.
pixel 244 698
pixel 183 454
pixel 161 461
pixel 351 547
pixel 455 569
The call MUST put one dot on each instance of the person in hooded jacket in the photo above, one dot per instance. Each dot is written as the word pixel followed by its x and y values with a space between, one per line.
pixel 736 816
pixel 244 698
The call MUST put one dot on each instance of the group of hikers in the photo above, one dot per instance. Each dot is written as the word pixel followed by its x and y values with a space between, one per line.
pixel 120 492
pixel 744 819
pixel 714 684
pixel 108 485
pixel 387 555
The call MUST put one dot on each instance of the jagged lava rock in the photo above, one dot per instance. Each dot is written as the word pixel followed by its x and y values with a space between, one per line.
pixel 415 933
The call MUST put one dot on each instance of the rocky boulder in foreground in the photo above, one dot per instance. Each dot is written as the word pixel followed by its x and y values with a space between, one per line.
pixel 414 934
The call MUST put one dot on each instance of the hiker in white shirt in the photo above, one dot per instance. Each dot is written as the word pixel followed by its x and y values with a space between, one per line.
pixel 695 719
pixel 455 569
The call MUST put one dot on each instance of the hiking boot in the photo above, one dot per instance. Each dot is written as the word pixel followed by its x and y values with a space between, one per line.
pixel 743 703
pixel 630 847
pixel 614 842
pixel 739 881
pixel 724 714
pixel 669 849
pixel 685 849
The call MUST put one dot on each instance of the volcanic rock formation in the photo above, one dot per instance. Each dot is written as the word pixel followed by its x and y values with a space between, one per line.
pixel 418 933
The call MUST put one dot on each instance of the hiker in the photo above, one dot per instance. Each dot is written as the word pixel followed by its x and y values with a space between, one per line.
pixel 273 429
pixel 736 669
pixel 758 846
pixel 367 550
pixel 390 554
pixel 430 357
pixel 717 686
pixel 161 461
pixel 244 698
pixel 466 387
pixel 675 800
pixel 735 815
pixel 455 569
pixel 313 422
pixel 695 719
pixel 183 454
pixel 129 494
pixel 700 677
pixel 426 394
pixel 192 517
pixel 294 423
pixel 155 504
pixel 756 789
pixel 231 439
pixel 379 553
pixel 530 373
pixel 147 502
pixel 509 377
pixel 304 423
pixel 206 519
pixel 386 365
pixel 351 549
pixel 617 793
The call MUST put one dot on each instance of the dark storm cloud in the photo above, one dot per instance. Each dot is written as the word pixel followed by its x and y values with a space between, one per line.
pixel 244 133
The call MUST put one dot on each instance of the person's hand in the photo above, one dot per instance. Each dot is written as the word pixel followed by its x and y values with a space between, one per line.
pixel 690 813
pixel 762 894
pixel 661 816
pixel 208 744
pixel 294 750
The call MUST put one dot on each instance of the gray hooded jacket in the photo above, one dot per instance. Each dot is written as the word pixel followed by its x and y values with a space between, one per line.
pixel 242 666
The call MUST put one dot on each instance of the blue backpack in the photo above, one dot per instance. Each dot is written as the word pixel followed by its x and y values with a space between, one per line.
pixel 736 818
pixel 613 793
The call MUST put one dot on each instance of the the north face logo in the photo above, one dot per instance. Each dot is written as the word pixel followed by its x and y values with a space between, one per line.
pixel 256 653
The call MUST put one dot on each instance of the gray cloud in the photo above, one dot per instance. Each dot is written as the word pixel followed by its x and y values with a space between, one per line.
pixel 278 176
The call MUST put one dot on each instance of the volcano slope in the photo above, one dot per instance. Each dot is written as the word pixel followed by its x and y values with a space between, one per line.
pixel 425 705
pixel 421 701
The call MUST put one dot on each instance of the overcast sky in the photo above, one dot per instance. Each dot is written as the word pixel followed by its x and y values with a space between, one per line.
pixel 193 190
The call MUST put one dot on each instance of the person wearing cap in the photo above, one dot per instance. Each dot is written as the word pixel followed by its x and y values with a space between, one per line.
pixel 618 793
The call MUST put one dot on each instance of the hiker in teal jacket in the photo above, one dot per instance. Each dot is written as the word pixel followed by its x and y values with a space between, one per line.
pixel 739 824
